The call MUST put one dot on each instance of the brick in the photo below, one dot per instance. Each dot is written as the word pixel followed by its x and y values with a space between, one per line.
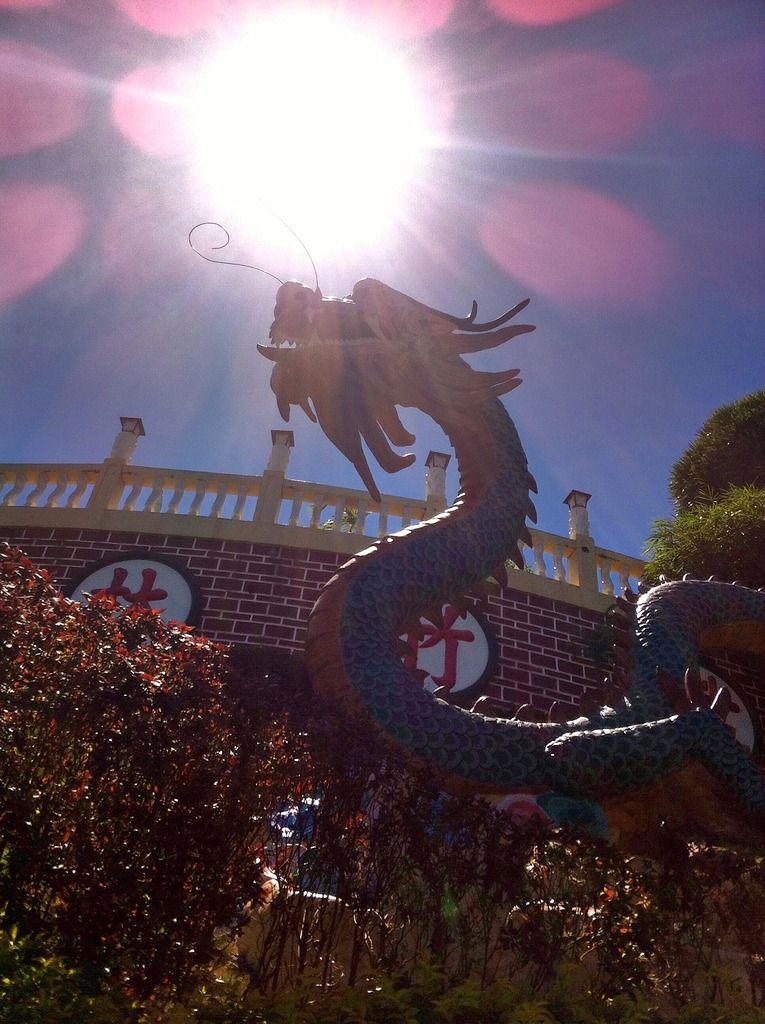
pixel 545 661
pixel 570 689
pixel 255 607
pixel 58 552
pixel 572 668
pixel 513 633
pixel 323 557
pixel 542 621
pixel 222 604
pixel 283 590
pixel 122 537
pixel 41 532
pixel 292 572
pixel 285 632
pixel 202 562
pixel 515 675
pixel 232 565
pixel 225 584
pixel 208 544
pixel 518 655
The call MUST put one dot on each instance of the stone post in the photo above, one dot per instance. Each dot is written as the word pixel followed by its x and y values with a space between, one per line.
pixel 108 487
pixel 582 564
pixel 272 482
pixel 435 483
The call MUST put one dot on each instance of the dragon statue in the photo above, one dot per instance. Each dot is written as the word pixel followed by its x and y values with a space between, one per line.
pixel 348 363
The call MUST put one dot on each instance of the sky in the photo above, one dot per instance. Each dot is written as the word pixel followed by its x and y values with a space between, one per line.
pixel 605 158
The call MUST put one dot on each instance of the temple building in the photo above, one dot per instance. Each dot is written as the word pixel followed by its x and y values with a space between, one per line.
pixel 243 558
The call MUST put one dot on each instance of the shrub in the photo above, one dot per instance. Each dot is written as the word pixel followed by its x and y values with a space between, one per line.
pixel 144 785
pixel 136 787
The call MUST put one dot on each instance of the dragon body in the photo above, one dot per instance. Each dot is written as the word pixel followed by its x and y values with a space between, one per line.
pixel 348 363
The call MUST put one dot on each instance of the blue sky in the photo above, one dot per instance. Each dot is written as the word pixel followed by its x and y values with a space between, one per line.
pixel 604 158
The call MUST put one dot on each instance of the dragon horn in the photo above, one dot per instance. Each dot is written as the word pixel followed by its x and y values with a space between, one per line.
pixel 468 325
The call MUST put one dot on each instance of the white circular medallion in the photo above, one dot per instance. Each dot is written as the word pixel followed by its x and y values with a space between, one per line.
pixel 141 582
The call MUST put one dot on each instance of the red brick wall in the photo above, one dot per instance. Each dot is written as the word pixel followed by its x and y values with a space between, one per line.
pixel 256 594
pixel 539 658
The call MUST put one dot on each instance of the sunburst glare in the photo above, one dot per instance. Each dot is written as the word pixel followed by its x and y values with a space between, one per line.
pixel 319 121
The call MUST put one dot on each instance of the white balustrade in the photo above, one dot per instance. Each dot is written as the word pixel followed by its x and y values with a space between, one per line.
pixel 549 555
pixel 627 571
pixel 75 498
pixel 606 583
pixel 559 569
pixel 45 486
pixel 173 494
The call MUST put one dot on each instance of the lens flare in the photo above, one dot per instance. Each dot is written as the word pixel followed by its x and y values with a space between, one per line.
pixel 149 106
pixel 566 102
pixel 172 17
pixel 40 227
pixel 546 12
pixel 323 122
pixel 43 99
pixel 577 246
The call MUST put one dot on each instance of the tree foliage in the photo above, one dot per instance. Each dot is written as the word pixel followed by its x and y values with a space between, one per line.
pixel 723 538
pixel 728 451
pixel 718 486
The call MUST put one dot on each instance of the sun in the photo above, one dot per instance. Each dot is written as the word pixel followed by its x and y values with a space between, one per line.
pixel 323 123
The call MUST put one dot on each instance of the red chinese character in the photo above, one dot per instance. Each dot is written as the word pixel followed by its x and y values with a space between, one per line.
pixel 451 639
pixel 140 598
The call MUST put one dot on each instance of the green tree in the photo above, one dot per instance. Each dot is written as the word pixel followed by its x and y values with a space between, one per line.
pixel 728 451
pixel 718 486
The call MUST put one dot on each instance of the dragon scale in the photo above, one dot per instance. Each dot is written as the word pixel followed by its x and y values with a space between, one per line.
pixel 382 349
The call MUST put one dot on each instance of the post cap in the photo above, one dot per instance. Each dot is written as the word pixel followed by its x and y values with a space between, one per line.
pixel 132 425
pixel 283 437
pixel 577 499
pixel 438 460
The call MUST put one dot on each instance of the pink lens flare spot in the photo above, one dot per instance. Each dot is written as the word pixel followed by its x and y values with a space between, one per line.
pixel 576 246
pixel 173 17
pixel 150 108
pixel 546 12
pixel 400 18
pixel 570 102
pixel 40 227
pixel 24 4
pixel 43 99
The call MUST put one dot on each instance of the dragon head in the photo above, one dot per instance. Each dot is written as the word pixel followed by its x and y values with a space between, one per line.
pixel 349 362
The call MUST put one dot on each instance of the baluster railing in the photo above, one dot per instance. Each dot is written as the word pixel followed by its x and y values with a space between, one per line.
pixel 18 486
pixel 362 511
pixel 199 495
pixel 35 495
pixel 606 583
pixel 236 499
pixel 73 501
pixel 382 525
pixel 56 496
pixel 156 496
pixel 559 569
